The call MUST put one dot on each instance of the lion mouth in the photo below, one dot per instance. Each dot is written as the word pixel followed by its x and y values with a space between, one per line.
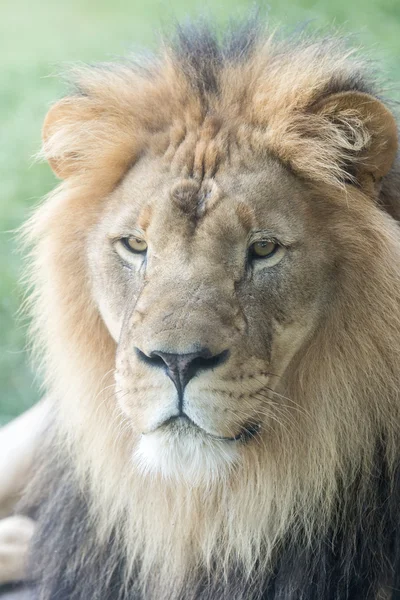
pixel 184 424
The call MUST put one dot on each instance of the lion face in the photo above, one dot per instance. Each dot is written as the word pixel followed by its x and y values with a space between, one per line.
pixel 209 289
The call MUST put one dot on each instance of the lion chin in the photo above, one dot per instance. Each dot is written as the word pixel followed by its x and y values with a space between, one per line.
pixel 181 451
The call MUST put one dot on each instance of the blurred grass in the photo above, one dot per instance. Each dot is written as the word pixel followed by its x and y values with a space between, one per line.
pixel 38 39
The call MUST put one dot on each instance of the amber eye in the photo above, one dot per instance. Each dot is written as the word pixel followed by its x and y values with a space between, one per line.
pixel 134 244
pixel 263 249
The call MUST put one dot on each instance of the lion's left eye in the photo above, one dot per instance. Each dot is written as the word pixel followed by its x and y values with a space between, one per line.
pixel 263 249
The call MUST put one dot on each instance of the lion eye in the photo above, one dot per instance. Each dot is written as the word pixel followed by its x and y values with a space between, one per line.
pixel 263 249
pixel 134 244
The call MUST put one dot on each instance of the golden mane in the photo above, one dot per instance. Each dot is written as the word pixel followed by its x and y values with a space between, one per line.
pixel 268 93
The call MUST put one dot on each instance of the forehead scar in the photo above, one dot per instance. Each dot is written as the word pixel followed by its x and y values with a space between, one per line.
pixel 185 196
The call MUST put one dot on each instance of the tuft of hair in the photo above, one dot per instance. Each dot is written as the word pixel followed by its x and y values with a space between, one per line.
pixel 269 94
pixel 267 87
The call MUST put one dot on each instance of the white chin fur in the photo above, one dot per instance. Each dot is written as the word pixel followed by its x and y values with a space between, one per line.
pixel 194 459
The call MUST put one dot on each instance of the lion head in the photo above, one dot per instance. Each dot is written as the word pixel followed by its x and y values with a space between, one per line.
pixel 217 301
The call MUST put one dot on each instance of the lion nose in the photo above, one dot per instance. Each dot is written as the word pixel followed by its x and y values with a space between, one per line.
pixel 181 368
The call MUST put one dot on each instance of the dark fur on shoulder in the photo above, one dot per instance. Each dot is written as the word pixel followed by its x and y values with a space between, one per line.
pixel 347 564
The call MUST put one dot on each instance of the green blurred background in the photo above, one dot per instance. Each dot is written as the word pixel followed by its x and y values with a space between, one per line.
pixel 40 38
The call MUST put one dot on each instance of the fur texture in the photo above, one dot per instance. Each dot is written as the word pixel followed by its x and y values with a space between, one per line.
pixel 308 505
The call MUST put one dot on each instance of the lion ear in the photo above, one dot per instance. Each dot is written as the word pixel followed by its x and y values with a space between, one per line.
pixel 63 134
pixel 366 131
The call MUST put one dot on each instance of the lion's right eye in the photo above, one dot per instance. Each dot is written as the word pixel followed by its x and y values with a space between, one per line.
pixel 131 249
pixel 134 244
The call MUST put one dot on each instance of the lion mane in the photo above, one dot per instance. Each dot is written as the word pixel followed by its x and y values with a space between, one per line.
pixel 314 513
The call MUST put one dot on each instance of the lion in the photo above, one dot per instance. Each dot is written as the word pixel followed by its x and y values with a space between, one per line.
pixel 216 304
